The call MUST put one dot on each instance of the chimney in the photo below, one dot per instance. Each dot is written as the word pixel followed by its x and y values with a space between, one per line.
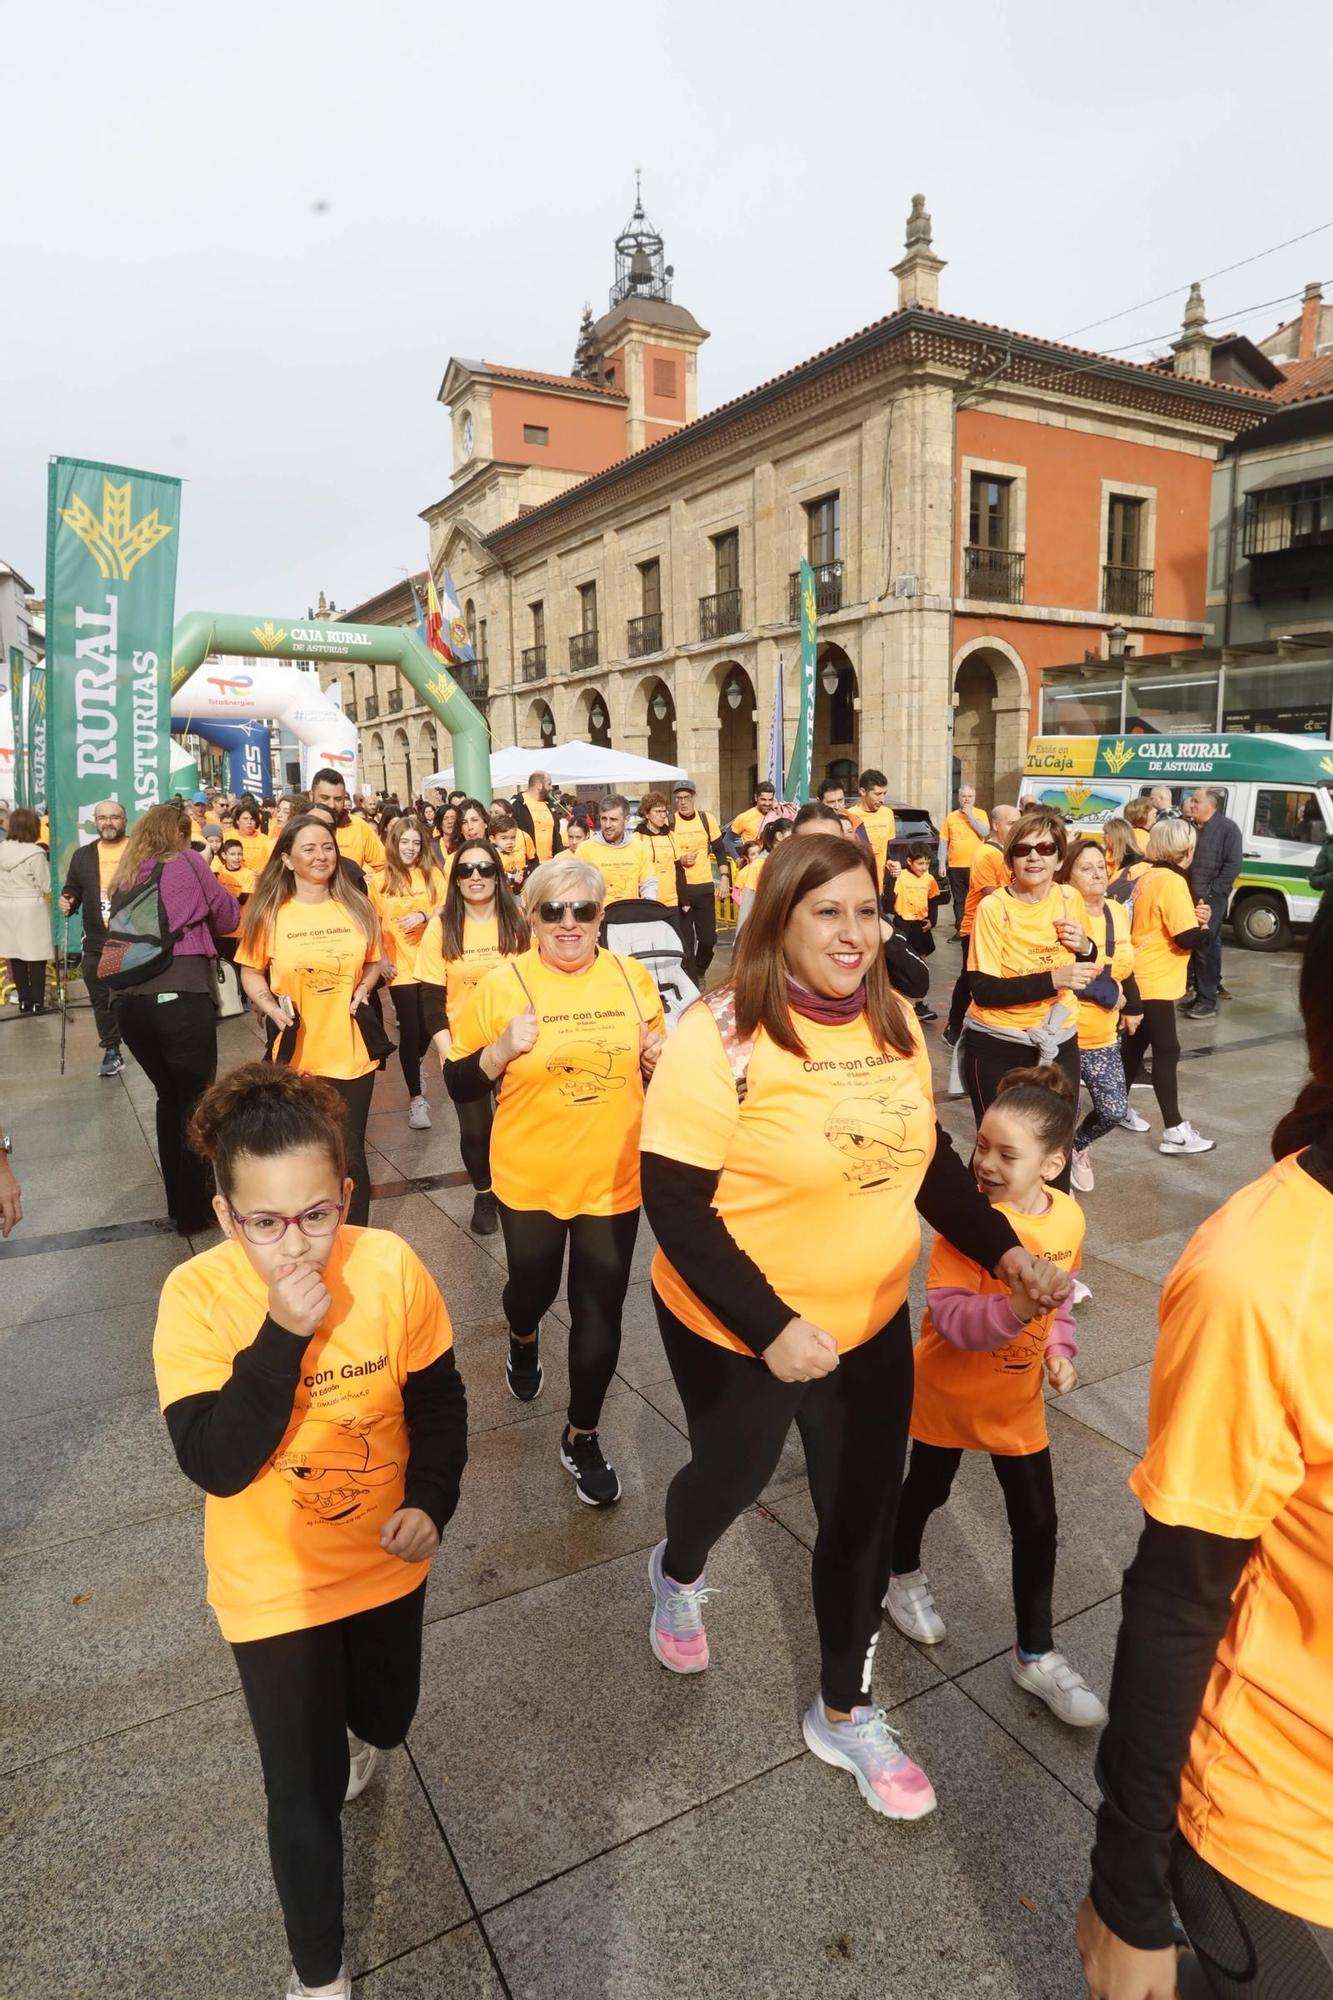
pixel 1194 349
pixel 1312 306
pixel 918 274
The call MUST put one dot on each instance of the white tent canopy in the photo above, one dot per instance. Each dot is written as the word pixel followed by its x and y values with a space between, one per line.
pixel 573 763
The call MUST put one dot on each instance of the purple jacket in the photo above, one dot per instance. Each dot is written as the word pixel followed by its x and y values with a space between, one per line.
pixel 195 902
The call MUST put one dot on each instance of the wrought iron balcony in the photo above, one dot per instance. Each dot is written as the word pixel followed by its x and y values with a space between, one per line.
pixel 582 651
pixel 995 574
pixel 645 634
pixel 395 700
pixel 1127 592
pixel 828 591
pixel 372 707
pixel 719 616
pixel 533 660
pixel 474 677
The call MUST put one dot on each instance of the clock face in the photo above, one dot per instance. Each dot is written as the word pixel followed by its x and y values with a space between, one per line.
pixel 467 435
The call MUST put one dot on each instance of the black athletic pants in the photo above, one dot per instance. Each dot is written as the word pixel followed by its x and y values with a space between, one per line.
pixel 698 924
pixel 601 1250
pixel 29 977
pixel 411 1034
pixel 356 1093
pixel 174 1040
pixel 1028 1486
pixel 989 1058
pixel 853 1425
pixel 1245 1949
pixel 475 1119
pixel 104 1002
pixel 1157 1031
pixel 958 881
pixel 304 1691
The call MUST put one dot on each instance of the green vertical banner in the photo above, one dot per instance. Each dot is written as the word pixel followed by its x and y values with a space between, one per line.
pixel 35 683
pixel 803 749
pixel 111 540
pixel 16 710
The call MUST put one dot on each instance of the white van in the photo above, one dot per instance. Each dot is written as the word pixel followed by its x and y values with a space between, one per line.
pixel 1277 790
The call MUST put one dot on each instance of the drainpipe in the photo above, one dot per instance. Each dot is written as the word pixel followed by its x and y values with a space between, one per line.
pixel 1231 553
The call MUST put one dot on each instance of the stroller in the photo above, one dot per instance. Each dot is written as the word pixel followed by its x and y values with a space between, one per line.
pixel 644 930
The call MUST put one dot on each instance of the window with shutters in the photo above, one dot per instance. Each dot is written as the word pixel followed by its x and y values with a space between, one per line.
pixel 650 586
pixel 988 526
pixel 1124 532
pixel 538 623
pixel 727 561
pixel 664 377
pixel 825 532
pixel 536 434
pixel 587 607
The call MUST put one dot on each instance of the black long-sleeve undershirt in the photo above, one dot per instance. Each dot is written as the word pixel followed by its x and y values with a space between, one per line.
pixel 466 1080
pixel 435 1411
pixel 990 989
pixel 1187 940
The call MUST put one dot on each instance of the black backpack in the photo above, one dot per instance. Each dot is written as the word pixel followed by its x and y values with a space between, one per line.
pixel 140 943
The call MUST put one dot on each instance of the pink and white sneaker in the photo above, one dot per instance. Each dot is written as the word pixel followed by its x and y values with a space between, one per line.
pixel 676 1631
pixel 887 1779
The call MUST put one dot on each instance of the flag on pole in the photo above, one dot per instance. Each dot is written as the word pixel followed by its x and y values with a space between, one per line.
pixel 776 743
pixel 798 771
pixel 20 770
pixel 446 627
pixel 35 681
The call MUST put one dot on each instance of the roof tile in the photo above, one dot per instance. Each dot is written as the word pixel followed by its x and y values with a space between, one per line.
pixel 1304 380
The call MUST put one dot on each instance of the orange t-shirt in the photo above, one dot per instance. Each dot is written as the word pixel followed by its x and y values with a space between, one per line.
pixel 1240 1443
pixel 543 827
pixel 660 855
pixel 963 838
pixel 315 954
pixel 879 829
pixel 1097 1026
pixel 976 1401
pixel 1163 909
pixel 566 1133
pixel 624 869
pixel 299 1545
pixel 241 882
pixel 913 895
pixel 389 908
pixel 359 841
pixel 256 848
pixel 459 978
pixel 695 836
pixel 989 871
pixel 1011 938
pixel 820 1166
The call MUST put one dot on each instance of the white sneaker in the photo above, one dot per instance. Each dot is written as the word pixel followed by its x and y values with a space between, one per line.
pixel 418 1115
pixel 1080 1171
pixel 364 1757
pixel 1184 1139
pixel 1078 1291
pixel 911 1606
pixel 1061 1687
pixel 341 1991
pixel 1131 1122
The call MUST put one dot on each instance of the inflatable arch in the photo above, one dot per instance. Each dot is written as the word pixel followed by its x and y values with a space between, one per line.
pixel 218 701
pixel 247 749
pixel 200 634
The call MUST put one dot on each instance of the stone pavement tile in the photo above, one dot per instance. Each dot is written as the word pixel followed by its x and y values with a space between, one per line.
pixel 456 1966
pixel 1117 1326
pixel 1117 1407
pixel 139 1865
pixel 431 1152
pixel 59 1282
pixel 456 1203
pixel 104 1633
pixel 86 1358
pixel 547 1730
pixel 1088 1641
pixel 68 1194
pixel 79 1472
pixel 967 1553
pixel 106 1125
pixel 520 1523
pixel 481 1350
pixel 790 1472
pixel 1153 1257
pixel 460 1267
pixel 789 1887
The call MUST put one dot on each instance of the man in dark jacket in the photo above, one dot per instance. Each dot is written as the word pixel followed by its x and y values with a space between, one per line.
pixel 539 819
pixel 92 868
pixel 1213 871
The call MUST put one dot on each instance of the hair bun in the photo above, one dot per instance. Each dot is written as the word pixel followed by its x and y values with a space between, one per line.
pixel 1041 1076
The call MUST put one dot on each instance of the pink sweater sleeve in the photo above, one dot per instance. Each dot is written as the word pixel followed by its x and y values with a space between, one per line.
pixel 1060 1339
pixel 980 1322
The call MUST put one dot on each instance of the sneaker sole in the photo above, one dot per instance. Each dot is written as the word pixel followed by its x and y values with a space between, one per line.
pixel 820 1749
pixel 587 1498
pixel 517 1394
pixel 921 1638
pixel 1070 1721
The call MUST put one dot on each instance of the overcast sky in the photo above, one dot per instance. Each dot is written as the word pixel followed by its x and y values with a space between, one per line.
pixel 172 298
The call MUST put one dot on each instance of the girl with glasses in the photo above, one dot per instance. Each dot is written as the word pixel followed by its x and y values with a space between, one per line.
pixel 479 926
pixel 570 1033
pixel 306 1374
pixel 404 895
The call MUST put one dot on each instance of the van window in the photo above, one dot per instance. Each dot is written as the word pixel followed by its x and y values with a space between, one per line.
pixel 1281 815
pixel 1179 794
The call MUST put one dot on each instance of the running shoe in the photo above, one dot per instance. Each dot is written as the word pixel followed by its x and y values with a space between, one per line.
pixel 676 1630
pixel 1061 1687
pixel 342 1991
pixel 887 1779
pixel 924 1013
pixel 1131 1122
pixel 596 1482
pixel 485 1214
pixel 951 1036
pixel 1080 1171
pixel 1078 1291
pixel 363 1757
pixel 1184 1139
pixel 113 1062
pixel 911 1605
pixel 523 1368
pixel 418 1115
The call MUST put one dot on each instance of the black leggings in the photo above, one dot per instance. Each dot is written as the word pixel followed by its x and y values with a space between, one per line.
pixel 175 1043
pixel 356 1093
pixel 304 1691
pixel 1245 1948
pixel 411 1034
pixel 987 1059
pixel 29 977
pixel 1028 1486
pixel 698 925
pixel 1157 1031
pixel 601 1250
pixel 853 1425
pixel 475 1119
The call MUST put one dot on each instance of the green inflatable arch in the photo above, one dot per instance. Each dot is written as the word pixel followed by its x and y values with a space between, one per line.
pixel 201 633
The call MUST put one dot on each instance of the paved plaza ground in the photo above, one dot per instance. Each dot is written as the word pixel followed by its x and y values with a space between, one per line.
pixel 567 1819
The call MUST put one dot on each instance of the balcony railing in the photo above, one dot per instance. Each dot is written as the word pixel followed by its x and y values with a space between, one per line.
pixel 719 616
pixel 828 591
pixel 395 700
pixel 1127 592
pixel 372 707
pixel 645 634
pixel 582 651
pixel 474 676
pixel 1289 522
pixel 995 574
pixel 349 710
pixel 533 661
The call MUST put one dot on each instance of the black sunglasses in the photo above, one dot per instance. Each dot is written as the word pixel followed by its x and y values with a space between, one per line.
pixel 483 868
pixel 1022 848
pixel 582 913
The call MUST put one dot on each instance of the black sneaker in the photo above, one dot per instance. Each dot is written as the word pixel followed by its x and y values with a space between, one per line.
pixel 596 1483
pixel 485 1214
pixel 113 1062
pixel 523 1369
pixel 924 1013
pixel 951 1035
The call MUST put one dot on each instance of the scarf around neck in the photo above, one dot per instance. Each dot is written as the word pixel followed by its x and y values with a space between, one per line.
pixel 830 1013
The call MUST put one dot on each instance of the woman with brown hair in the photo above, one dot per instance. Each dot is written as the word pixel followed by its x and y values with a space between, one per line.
pixel 789 1141
pixel 405 894
pixel 663 853
pixel 169 1021
pixel 25 909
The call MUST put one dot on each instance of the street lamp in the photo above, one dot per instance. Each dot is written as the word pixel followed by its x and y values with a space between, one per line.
pixel 830 678
pixel 660 707
pixel 1115 642
pixel 734 696
pixel 548 727
pixel 598 717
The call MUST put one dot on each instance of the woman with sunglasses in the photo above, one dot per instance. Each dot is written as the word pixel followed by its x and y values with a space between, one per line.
pixel 306 1374
pixel 1029 959
pixel 480 925
pixel 571 1034
pixel 404 895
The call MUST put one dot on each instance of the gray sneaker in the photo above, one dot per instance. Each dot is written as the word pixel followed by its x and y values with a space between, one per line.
pixel 418 1115
pixel 113 1062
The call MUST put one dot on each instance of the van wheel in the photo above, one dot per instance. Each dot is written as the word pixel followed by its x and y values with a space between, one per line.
pixel 1260 924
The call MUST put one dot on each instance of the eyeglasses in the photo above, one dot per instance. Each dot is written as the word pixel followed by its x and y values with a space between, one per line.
pixel 321 1220
pixel 486 869
pixel 1022 848
pixel 582 913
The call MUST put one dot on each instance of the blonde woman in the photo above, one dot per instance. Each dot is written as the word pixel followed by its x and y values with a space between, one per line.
pixel 405 894
pixel 1168 924
pixel 309 960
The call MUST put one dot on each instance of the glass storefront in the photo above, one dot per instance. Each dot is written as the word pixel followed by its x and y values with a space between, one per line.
pixel 1161 702
pixel 1171 693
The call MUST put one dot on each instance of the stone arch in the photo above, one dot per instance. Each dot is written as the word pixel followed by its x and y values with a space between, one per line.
pixel 990 719
pixel 737 735
pixel 428 751
pixel 532 733
pixel 837 746
pixel 376 776
pixel 589 704
pixel 400 764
